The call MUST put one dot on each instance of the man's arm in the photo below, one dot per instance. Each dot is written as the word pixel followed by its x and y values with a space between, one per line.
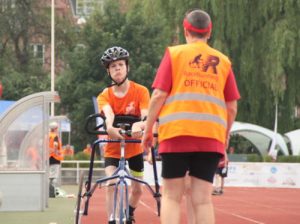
pixel 156 103
pixel 231 114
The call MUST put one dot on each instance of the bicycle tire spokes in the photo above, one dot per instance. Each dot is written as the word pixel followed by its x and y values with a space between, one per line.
pixel 80 204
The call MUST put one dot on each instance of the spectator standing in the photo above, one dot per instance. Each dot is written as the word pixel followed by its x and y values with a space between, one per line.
pixel 88 149
pixel 221 173
pixel 231 150
pixel 68 151
pixel 55 158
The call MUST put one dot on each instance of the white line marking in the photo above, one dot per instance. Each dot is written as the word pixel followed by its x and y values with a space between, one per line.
pixel 248 219
pixel 147 206
pixel 240 216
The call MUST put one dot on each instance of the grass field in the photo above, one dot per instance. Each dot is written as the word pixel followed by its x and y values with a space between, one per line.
pixel 59 211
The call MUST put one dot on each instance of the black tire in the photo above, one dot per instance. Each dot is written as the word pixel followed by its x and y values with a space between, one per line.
pixel 79 203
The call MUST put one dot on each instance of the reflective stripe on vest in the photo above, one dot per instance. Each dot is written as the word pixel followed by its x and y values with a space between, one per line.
pixel 192 117
pixel 196 96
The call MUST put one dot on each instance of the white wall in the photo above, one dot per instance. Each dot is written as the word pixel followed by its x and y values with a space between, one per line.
pixel 283 175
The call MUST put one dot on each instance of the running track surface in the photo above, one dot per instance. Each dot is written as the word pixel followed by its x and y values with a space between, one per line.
pixel 235 206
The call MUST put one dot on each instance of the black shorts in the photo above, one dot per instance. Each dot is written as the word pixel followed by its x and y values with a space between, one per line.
pixel 135 163
pixel 202 165
pixel 222 171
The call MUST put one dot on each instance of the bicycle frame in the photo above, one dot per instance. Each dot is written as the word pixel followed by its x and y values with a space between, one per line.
pixel 121 173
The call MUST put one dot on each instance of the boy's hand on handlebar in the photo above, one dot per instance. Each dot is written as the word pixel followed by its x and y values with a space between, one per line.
pixel 137 129
pixel 114 133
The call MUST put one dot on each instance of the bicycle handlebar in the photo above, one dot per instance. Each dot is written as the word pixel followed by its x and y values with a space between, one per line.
pixel 117 141
pixel 92 127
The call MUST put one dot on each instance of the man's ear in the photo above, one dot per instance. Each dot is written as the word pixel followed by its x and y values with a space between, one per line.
pixel 208 36
pixel 185 32
pixel 186 35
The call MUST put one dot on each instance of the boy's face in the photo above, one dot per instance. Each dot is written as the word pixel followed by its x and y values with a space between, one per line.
pixel 118 70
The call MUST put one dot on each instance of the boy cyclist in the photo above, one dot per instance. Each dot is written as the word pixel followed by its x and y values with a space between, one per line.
pixel 122 97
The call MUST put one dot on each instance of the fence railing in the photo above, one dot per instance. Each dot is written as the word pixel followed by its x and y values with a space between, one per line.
pixel 71 169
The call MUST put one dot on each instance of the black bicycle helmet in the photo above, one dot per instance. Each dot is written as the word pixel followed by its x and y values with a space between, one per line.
pixel 114 54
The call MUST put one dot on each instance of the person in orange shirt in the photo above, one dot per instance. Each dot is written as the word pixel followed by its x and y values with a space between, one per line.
pixel 68 151
pixel 122 97
pixel 195 97
pixel 55 157
pixel 88 149
pixel 33 157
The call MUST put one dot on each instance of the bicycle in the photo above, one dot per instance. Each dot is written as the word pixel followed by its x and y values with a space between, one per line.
pixel 121 173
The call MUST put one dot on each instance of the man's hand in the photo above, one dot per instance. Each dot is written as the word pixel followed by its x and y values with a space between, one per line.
pixel 149 157
pixel 147 141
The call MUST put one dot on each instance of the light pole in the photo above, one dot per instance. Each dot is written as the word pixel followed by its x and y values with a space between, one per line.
pixel 52 53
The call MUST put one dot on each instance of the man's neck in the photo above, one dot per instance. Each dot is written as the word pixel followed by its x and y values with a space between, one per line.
pixel 191 40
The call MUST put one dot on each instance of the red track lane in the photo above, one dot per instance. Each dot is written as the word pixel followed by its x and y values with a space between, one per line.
pixel 235 206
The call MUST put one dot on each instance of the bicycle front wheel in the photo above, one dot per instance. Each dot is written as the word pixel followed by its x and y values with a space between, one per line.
pixel 80 203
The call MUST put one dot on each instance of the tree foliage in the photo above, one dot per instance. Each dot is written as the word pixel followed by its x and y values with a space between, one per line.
pixel 21 23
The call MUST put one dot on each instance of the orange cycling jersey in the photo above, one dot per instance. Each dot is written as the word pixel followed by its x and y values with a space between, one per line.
pixel 55 151
pixel 136 99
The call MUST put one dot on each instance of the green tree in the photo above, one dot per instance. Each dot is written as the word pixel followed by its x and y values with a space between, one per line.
pixel 21 23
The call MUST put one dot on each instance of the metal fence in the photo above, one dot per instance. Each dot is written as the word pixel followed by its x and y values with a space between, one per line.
pixel 71 169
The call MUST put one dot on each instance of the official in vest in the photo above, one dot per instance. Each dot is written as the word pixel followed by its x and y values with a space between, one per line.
pixel 195 98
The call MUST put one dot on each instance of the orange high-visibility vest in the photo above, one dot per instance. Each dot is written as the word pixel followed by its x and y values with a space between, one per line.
pixel 196 105
pixel 56 152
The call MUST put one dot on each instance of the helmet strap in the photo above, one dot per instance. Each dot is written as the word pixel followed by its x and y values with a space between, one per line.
pixel 115 83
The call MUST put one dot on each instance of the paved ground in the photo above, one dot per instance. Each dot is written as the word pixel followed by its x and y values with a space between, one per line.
pixel 236 206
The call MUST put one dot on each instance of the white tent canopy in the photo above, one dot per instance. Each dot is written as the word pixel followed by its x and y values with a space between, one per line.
pixel 260 137
pixel 294 139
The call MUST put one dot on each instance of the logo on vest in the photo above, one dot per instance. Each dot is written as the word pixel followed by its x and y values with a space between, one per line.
pixel 204 64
